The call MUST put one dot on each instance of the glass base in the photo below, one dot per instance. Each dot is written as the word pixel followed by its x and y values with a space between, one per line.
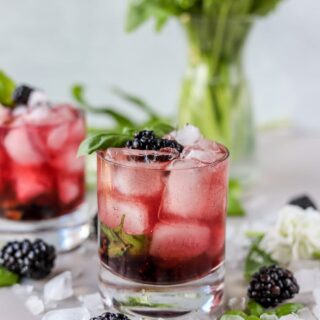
pixel 198 299
pixel 65 232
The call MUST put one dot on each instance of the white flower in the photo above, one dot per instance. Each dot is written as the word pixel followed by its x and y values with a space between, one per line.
pixel 296 235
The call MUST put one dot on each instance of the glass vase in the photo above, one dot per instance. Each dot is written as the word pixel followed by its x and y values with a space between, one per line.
pixel 215 95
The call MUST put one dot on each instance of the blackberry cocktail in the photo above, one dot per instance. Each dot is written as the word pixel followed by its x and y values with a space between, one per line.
pixel 40 176
pixel 162 206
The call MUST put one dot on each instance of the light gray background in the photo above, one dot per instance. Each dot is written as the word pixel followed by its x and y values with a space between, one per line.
pixel 55 43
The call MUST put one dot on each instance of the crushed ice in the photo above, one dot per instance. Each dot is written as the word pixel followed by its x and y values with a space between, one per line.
pixel 58 288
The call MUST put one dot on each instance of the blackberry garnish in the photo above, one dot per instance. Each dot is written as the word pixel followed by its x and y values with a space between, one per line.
pixel 146 140
pixel 28 259
pixel 303 202
pixel 22 94
pixel 111 316
pixel 272 285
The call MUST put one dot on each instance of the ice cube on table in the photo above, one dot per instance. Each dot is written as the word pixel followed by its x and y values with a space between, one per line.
pixel 194 192
pixel 266 316
pixel 35 305
pixel 93 303
pixel 179 241
pixel 68 314
pixel 18 144
pixel 188 135
pixel 308 279
pixel 306 314
pixel 135 215
pixel 316 295
pixel 132 176
pixel 316 311
pixel 290 317
pixel 58 288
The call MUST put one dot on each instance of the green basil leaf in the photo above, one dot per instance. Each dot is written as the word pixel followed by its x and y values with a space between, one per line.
pixel 256 259
pixel 254 308
pixel 120 243
pixel 7 87
pixel 102 141
pixel 236 313
pixel 8 278
pixel 288 308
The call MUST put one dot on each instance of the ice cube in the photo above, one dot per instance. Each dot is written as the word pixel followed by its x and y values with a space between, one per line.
pixel 194 193
pixel 41 116
pixel 38 99
pixel 35 305
pixel 68 188
pixel 308 279
pixel 68 314
pixel 306 314
pixel 20 111
pixel 188 135
pixel 136 216
pixel 20 148
pixel 93 303
pixel 316 295
pixel 22 290
pixel 58 288
pixel 31 182
pixel 136 177
pixel 179 241
pixel 77 130
pixel 65 112
pixel 316 311
pixel 5 114
pixel 290 317
pixel 58 137
pixel 68 162
pixel 238 303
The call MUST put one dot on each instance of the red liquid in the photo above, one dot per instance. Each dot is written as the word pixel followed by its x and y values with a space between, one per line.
pixel 161 226
pixel 40 175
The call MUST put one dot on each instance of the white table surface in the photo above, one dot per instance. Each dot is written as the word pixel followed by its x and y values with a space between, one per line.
pixel 289 164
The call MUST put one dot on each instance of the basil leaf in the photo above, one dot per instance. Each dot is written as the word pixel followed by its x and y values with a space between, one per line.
pixel 102 141
pixel 236 313
pixel 138 102
pixel 8 278
pixel 120 243
pixel 254 308
pixel 256 259
pixel 7 87
pixel 119 118
pixel 143 302
pixel 288 308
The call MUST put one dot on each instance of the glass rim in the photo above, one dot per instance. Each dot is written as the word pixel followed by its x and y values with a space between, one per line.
pixel 215 163
pixel 9 126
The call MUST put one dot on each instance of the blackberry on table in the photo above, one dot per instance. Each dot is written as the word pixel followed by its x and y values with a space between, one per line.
pixel 22 94
pixel 28 259
pixel 111 316
pixel 146 140
pixel 272 285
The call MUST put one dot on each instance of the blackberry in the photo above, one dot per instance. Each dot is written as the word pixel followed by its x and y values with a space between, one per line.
pixel 303 202
pixel 146 140
pixel 111 316
pixel 272 285
pixel 28 259
pixel 22 94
